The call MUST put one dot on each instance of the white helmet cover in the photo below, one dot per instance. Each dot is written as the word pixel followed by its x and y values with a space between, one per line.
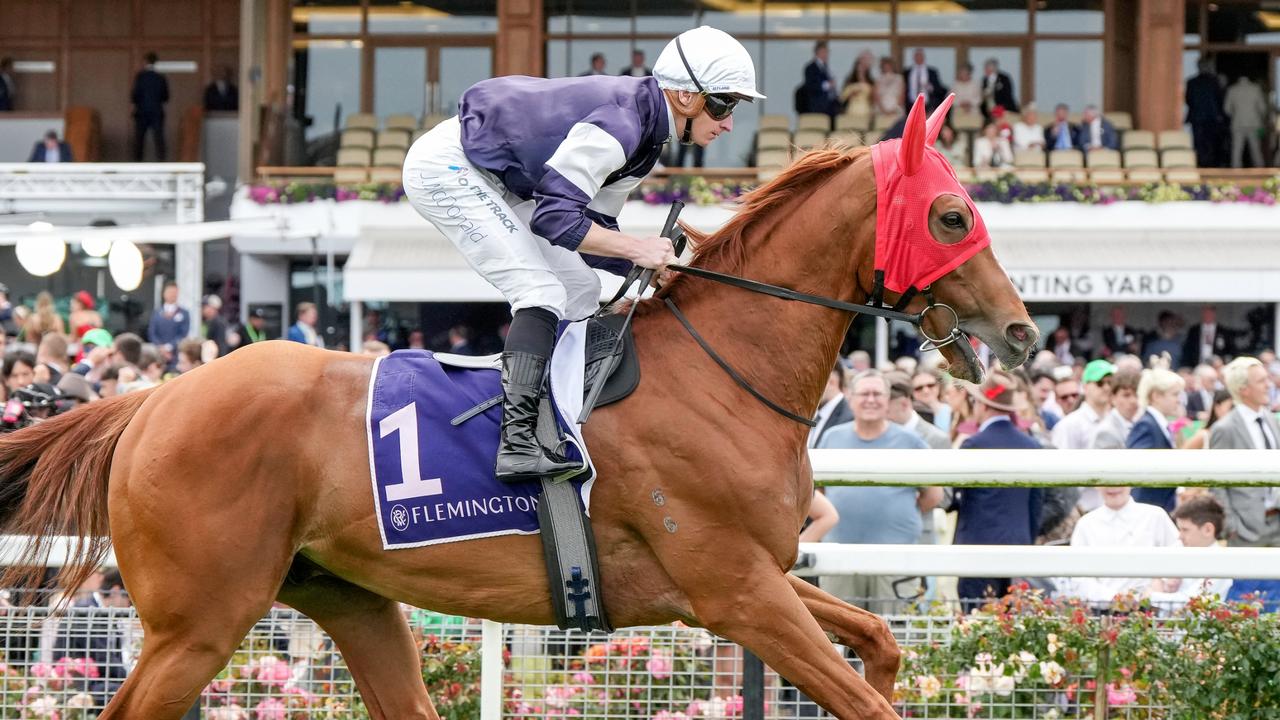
pixel 720 63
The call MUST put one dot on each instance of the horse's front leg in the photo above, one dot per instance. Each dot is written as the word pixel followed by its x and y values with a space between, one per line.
pixel 767 617
pixel 865 632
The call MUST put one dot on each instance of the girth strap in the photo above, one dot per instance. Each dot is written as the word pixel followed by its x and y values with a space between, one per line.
pixel 724 365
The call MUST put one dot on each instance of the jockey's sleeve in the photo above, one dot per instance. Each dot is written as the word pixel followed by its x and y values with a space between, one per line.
pixel 576 173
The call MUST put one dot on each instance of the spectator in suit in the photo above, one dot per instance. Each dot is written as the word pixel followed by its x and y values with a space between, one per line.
pixel 460 340
pixel 890 90
pixel 1200 398
pixel 1028 134
pixel 995 516
pixel 304 330
pixel 1119 337
pixel 1246 105
pixel 222 95
pixel 1061 135
pixel 922 79
pixel 170 323
pixel 255 330
pixel 902 412
pixel 150 93
pixel 637 68
pixel 968 90
pixel 51 150
pixel 997 89
pixel 1114 429
pixel 1205 114
pixel 215 328
pixel 1199 521
pixel 1253 513
pixel 597 65
pixel 8 87
pixel 875 515
pixel 819 86
pixel 1207 339
pixel 51 358
pixel 1096 131
pixel 833 408
pixel 1159 394
pixel 1166 340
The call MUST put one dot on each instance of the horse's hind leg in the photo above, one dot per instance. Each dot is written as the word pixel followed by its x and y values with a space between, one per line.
pixel 373 635
pixel 859 629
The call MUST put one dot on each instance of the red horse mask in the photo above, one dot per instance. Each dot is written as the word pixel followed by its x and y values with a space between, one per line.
pixel 910 175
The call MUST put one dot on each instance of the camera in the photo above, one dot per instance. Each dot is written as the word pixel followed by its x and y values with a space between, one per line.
pixel 31 404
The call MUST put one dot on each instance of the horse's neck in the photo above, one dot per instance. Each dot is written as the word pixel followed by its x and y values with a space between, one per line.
pixel 784 348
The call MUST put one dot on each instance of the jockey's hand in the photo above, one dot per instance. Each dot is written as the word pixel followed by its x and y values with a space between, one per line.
pixel 654 252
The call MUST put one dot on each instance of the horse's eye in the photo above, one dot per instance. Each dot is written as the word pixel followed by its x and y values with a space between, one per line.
pixel 953 220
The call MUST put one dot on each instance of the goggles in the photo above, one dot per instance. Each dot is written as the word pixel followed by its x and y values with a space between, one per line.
pixel 718 105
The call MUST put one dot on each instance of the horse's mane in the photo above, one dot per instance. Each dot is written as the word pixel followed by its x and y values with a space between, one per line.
pixel 726 248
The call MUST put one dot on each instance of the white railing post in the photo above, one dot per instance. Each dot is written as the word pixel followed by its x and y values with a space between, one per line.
pixel 491 671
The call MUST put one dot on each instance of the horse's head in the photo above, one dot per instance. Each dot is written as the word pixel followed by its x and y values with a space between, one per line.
pixel 929 235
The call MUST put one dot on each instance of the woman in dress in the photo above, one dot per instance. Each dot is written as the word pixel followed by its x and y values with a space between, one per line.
pixel 859 86
pixel 890 89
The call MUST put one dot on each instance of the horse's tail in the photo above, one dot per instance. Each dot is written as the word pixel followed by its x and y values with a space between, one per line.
pixel 53 481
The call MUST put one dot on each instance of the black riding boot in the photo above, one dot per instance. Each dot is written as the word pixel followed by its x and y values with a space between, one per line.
pixel 520 455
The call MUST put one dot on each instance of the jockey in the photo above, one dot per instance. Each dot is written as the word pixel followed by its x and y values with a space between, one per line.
pixel 527 182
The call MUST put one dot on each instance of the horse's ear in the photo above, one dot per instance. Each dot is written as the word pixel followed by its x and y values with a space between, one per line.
pixel 938 119
pixel 911 151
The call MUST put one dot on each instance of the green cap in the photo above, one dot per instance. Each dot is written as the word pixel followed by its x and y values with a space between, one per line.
pixel 1096 370
pixel 98 337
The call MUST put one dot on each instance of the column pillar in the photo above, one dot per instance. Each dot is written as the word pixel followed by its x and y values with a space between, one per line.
pixel 1158 69
pixel 521 48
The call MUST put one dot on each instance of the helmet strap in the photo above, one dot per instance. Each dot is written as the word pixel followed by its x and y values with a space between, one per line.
pixel 686 137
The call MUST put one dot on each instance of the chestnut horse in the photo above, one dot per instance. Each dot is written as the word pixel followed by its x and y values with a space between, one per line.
pixel 247 480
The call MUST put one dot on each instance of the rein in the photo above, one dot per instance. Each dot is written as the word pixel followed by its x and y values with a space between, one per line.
pixel 874 306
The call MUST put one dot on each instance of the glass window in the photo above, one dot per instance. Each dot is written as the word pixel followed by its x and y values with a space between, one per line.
pixel 400 81
pixel 795 18
pixel 859 16
pixel 1192 26
pixel 322 17
pixel 328 72
pixel 1070 17
pixel 1068 71
pixel 416 17
pixel 557 13
pixel 781 71
pixel 844 53
pixel 963 16
pixel 558 59
pixel 669 17
pixel 733 17
pixel 617 55
pixel 600 16
pixel 460 68
pixel 1008 60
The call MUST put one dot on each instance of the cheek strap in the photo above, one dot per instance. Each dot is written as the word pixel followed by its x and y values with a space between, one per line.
pixel 686 138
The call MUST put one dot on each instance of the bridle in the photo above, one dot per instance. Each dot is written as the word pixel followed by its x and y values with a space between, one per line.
pixel 874 306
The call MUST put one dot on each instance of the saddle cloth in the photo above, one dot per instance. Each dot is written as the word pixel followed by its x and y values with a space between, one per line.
pixel 433 481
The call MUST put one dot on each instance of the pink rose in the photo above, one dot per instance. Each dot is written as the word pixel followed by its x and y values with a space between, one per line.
pixel 584 678
pixel 270 709
pixel 1121 696
pixel 659 666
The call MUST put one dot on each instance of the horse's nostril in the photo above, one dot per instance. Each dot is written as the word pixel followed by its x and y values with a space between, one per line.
pixel 1020 333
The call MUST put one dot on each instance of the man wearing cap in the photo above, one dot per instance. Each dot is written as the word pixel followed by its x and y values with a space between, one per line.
pixel 528 179
pixel 251 332
pixel 95 351
pixel 995 516
pixel 1075 431
pixel 214 328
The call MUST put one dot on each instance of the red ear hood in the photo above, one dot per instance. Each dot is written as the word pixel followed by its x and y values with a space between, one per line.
pixel 910 176
pixel 938 119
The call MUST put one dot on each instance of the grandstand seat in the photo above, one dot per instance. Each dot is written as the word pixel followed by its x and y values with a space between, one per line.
pixel 773 139
pixel 813 121
pixel 388 157
pixel 871 137
pixel 1028 158
pixel 433 120
pixel 407 123
pixel 1031 174
pixel 417 134
pixel 1144 175
pixel 1066 159
pixel 350 175
pixel 773 158
pixel 1184 176
pixel 1012 118
pixel 394 138
pixel 1178 158
pixel 856 122
pixel 386 175
pixel 883 122
pixel 1121 121
pixel 1075 117
pixel 367 121
pixel 1138 140
pixel 775 122
pixel 967 121
pixel 1174 140
pixel 1107 176
pixel 353 157
pixel 965 174
pixel 1103 158
pixel 851 138
pixel 1069 175
pixel 356 138
pixel 1141 158
pixel 984 174
pixel 809 138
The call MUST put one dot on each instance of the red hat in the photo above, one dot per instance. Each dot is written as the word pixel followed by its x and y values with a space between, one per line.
pixel 85 299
